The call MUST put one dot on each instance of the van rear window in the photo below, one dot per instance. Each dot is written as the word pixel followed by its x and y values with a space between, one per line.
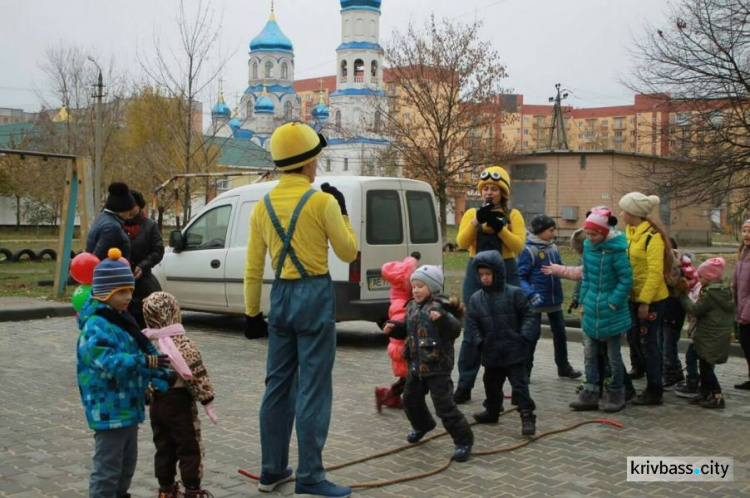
pixel 384 224
pixel 422 223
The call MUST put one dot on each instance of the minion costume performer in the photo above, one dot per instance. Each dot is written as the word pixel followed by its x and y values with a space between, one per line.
pixel 295 223
pixel 494 226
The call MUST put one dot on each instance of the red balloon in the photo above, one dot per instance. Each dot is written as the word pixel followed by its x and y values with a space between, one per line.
pixel 82 268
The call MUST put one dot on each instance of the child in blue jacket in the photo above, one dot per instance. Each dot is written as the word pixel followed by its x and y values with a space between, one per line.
pixel 607 282
pixel 545 291
pixel 116 362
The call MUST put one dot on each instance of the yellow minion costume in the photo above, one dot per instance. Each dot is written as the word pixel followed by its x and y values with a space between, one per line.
pixel 295 223
pixel 510 240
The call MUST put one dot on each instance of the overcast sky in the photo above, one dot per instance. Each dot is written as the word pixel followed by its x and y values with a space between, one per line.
pixel 582 44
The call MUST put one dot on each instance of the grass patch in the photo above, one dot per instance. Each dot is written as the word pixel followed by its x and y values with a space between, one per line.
pixel 22 280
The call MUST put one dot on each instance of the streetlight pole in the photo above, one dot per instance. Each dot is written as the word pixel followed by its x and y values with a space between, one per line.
pixel 98 137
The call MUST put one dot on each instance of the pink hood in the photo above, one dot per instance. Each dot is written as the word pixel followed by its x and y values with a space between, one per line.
pixel 398 273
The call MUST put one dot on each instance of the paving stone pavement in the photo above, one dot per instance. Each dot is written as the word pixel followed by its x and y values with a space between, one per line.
pixel 46 446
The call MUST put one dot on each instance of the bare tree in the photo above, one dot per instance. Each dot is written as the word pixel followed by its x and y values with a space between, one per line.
pixel 698 66
pixel 444 119
pixel 182 74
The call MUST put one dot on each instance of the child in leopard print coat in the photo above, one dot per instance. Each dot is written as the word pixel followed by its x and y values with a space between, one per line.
pixel 173 413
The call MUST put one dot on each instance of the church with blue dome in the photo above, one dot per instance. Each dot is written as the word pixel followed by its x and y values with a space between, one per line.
pixel 350 120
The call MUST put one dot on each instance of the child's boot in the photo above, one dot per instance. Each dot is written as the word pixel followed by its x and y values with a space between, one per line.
pixel 715 401
pixel 393 401
pixel 485 417
pixel 587 401
pixel 170 491
pixel 197 493
pixel 528 423
pixel 381 394
pixel 614 402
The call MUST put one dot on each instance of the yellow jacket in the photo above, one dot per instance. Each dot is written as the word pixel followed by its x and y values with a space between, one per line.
pixel 513 235
pixel 649 285
pixel 319 222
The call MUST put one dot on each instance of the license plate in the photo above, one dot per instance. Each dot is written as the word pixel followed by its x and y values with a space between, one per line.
pixel 377 283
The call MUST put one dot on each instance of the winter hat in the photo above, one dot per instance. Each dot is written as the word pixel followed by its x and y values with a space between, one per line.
pixel 600 220
pixel 119 198
pixel 639 204
pixel 495 175
pixel 576 240
pixel 161 309
pixel 138 198
pixel 295 144
pixel 431 275
pixel 540 223
pixel 712 269
pixel 111 275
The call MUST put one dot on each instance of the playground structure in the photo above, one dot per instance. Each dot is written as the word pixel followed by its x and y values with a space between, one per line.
pixel 78 183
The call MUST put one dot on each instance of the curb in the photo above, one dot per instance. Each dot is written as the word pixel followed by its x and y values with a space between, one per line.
pixel 36 313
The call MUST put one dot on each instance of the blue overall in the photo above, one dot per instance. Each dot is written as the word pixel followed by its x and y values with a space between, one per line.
pixel 301 351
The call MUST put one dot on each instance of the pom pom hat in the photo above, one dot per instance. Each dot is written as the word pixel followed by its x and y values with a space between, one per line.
pixel 495 175
pixel 431 275
pixel 639 204
pixel 111 275
pixel 295 144
pixel 599 220
pixel 712 269
pixel 119 199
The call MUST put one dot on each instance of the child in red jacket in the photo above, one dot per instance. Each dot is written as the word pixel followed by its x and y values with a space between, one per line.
pixel 396 273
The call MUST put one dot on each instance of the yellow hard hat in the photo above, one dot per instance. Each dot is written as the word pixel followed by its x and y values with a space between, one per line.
pixel 495 175
pixel 295 144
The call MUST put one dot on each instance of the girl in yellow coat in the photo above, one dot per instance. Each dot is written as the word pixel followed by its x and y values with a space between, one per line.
pixel 494 226
pixel 648 245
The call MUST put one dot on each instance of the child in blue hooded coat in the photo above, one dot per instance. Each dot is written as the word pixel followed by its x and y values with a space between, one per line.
pixel 607 282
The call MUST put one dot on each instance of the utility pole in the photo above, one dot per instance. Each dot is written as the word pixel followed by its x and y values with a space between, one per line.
pixel 558 123
pixel 98 137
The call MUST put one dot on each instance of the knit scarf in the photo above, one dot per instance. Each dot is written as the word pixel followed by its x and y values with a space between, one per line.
pixel 127 323
pixel 167 346
pixel 133 226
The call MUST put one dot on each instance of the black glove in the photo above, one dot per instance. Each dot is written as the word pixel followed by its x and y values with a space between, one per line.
pixel 484 213
pixel 255 326
pixel 497 221
pixel 155 362
pixel 328 189
pixel 573 305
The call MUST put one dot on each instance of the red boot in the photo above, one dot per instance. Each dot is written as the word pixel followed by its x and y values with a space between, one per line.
pixel 393 401
pixel 381 397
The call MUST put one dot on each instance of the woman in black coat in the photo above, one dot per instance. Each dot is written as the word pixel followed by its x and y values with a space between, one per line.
pixel 146 251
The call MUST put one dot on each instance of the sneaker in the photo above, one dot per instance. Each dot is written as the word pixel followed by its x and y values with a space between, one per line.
pixel 171 491
pixel 587 401
pixel 569 373
pixel 415 435
pixel 323 488
pixel 615 402
pixel 715 401
pixel 671 381
pixel 648 398
pixel 461 396
pixel 485 417
pixel 461 452
pixel 268 482
pixel 745 386
pixel 687 391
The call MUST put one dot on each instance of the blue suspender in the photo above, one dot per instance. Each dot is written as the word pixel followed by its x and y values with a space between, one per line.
pixel 286 238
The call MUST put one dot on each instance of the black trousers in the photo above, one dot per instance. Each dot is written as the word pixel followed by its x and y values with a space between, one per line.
pixel 177 437
pixel 440 387
pixel 709 383
pixel 494 379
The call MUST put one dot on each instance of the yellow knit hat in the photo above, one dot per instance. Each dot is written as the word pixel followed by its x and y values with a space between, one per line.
pixel 495 175
pixel 295 144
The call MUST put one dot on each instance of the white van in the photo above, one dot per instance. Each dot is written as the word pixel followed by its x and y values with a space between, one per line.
pixel 392 217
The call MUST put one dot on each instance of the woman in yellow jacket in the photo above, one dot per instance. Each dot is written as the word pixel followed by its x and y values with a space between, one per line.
pixel 648 244
pixel 494 226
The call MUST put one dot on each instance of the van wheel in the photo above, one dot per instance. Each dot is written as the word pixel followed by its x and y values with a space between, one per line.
pixel 24 252
pixel 8 255
pixel 47 252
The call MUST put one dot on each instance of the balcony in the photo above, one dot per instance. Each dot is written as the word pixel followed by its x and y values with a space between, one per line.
pixel 359 79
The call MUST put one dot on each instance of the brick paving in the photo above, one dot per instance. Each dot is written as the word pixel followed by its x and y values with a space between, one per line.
pixel 46 447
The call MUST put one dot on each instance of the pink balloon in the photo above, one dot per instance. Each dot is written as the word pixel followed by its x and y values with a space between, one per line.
pixel 82 268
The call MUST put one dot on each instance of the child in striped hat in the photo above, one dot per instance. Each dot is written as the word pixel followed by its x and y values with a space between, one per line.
pixel 116 363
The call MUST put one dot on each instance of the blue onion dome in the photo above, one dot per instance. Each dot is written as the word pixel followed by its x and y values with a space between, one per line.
pixel 271 38
pixel 264 105
pixel 221 109
pixel 235 122
pixel 360 4
pixel 321 111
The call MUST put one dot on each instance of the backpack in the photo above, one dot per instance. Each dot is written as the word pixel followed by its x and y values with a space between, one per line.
pixel 672 273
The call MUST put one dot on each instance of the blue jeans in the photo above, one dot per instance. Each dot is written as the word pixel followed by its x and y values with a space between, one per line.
pixel 591 360
pixel 301 352
pixel 559 340
pixel 691 364
pixel 652 359
pixel 470 355
pixel 115 456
